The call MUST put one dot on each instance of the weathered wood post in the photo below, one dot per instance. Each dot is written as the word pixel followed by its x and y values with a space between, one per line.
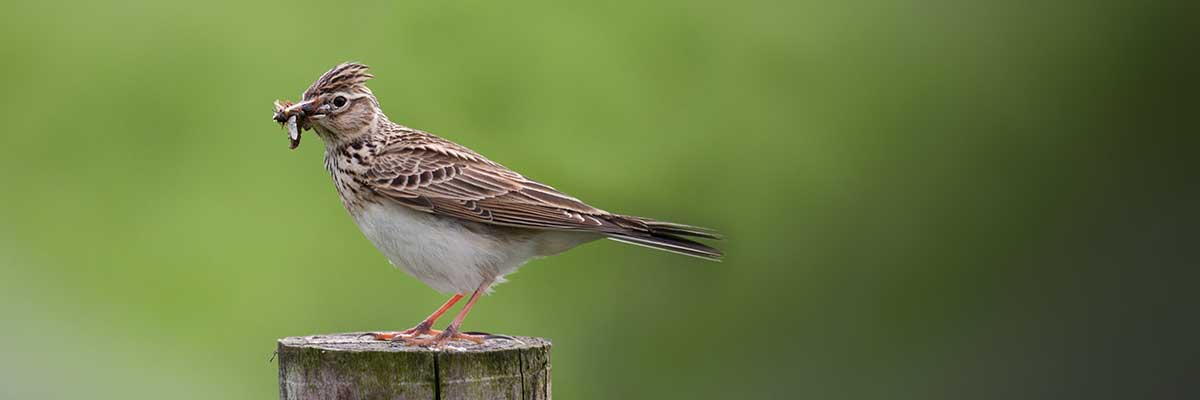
pixel 353 366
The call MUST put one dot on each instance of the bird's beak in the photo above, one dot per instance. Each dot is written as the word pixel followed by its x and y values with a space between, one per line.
pixel 306 109
pixel 294 118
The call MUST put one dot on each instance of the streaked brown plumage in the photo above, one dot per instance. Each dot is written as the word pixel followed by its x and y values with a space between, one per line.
pixel 448 215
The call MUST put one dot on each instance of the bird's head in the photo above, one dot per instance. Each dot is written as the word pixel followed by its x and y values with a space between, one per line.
pixel 339 106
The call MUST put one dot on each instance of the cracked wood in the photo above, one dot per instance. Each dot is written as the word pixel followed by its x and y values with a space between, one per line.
pixel 353 366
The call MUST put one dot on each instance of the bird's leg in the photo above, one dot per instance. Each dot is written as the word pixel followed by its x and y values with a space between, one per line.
pixel 423 328
pixel 426 326
pixel 451 332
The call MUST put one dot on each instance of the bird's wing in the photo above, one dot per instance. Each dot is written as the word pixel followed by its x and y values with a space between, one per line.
pixel 447 179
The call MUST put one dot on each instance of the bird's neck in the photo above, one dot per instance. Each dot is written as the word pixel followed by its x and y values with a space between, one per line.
pixel 334 140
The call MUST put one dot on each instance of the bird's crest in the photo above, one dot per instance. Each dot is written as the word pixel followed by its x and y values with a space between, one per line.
pixel 347 76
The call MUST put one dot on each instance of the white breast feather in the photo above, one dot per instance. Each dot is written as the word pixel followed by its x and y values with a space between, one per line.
pixel 440 251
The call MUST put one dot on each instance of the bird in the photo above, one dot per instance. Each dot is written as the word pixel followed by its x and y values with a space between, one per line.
pixel 448 216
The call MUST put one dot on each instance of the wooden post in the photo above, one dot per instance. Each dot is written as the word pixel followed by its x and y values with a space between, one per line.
pixel 354 366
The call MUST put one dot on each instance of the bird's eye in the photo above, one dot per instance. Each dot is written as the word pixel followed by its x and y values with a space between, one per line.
pixel 339 101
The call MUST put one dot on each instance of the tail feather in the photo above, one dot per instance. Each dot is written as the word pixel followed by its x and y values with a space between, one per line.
pixel 672 244
pixel 669 236
pixel 681 229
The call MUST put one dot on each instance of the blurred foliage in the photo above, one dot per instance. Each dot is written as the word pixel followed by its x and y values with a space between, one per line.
pixel 921 199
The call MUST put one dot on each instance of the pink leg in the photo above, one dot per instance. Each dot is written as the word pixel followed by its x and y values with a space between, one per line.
pixel 451 332
pixel 425 327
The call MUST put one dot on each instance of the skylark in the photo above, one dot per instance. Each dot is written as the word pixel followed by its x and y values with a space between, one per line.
pixel 445 214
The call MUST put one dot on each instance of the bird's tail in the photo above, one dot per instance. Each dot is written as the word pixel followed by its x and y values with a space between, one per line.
pixel 668 236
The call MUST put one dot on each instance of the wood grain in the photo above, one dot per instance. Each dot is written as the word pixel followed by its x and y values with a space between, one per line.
pixel 354 366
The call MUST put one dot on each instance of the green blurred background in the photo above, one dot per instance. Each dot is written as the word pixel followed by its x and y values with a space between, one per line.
pixel 921 199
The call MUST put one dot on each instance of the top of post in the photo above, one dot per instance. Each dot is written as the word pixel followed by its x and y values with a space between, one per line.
pixel 363 342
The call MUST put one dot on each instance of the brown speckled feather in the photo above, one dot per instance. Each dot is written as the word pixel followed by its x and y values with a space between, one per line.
pixel 436 175
pixel 346 76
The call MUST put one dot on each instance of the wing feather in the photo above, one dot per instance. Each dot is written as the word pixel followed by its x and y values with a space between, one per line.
pixel 437 176
pixel 458 183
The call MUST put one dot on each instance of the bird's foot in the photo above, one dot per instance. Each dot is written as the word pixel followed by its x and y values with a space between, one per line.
pixel 446 336
pixel 422 329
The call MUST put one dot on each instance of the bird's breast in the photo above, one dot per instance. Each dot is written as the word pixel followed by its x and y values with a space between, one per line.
pixel 349 169
pixel 442 252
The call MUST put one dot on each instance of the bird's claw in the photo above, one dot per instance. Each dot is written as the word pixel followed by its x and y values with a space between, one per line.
pixel 422 329
pixel 444 337
pixel 433 337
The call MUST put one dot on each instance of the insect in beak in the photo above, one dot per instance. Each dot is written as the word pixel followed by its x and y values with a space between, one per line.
pixel 290 116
